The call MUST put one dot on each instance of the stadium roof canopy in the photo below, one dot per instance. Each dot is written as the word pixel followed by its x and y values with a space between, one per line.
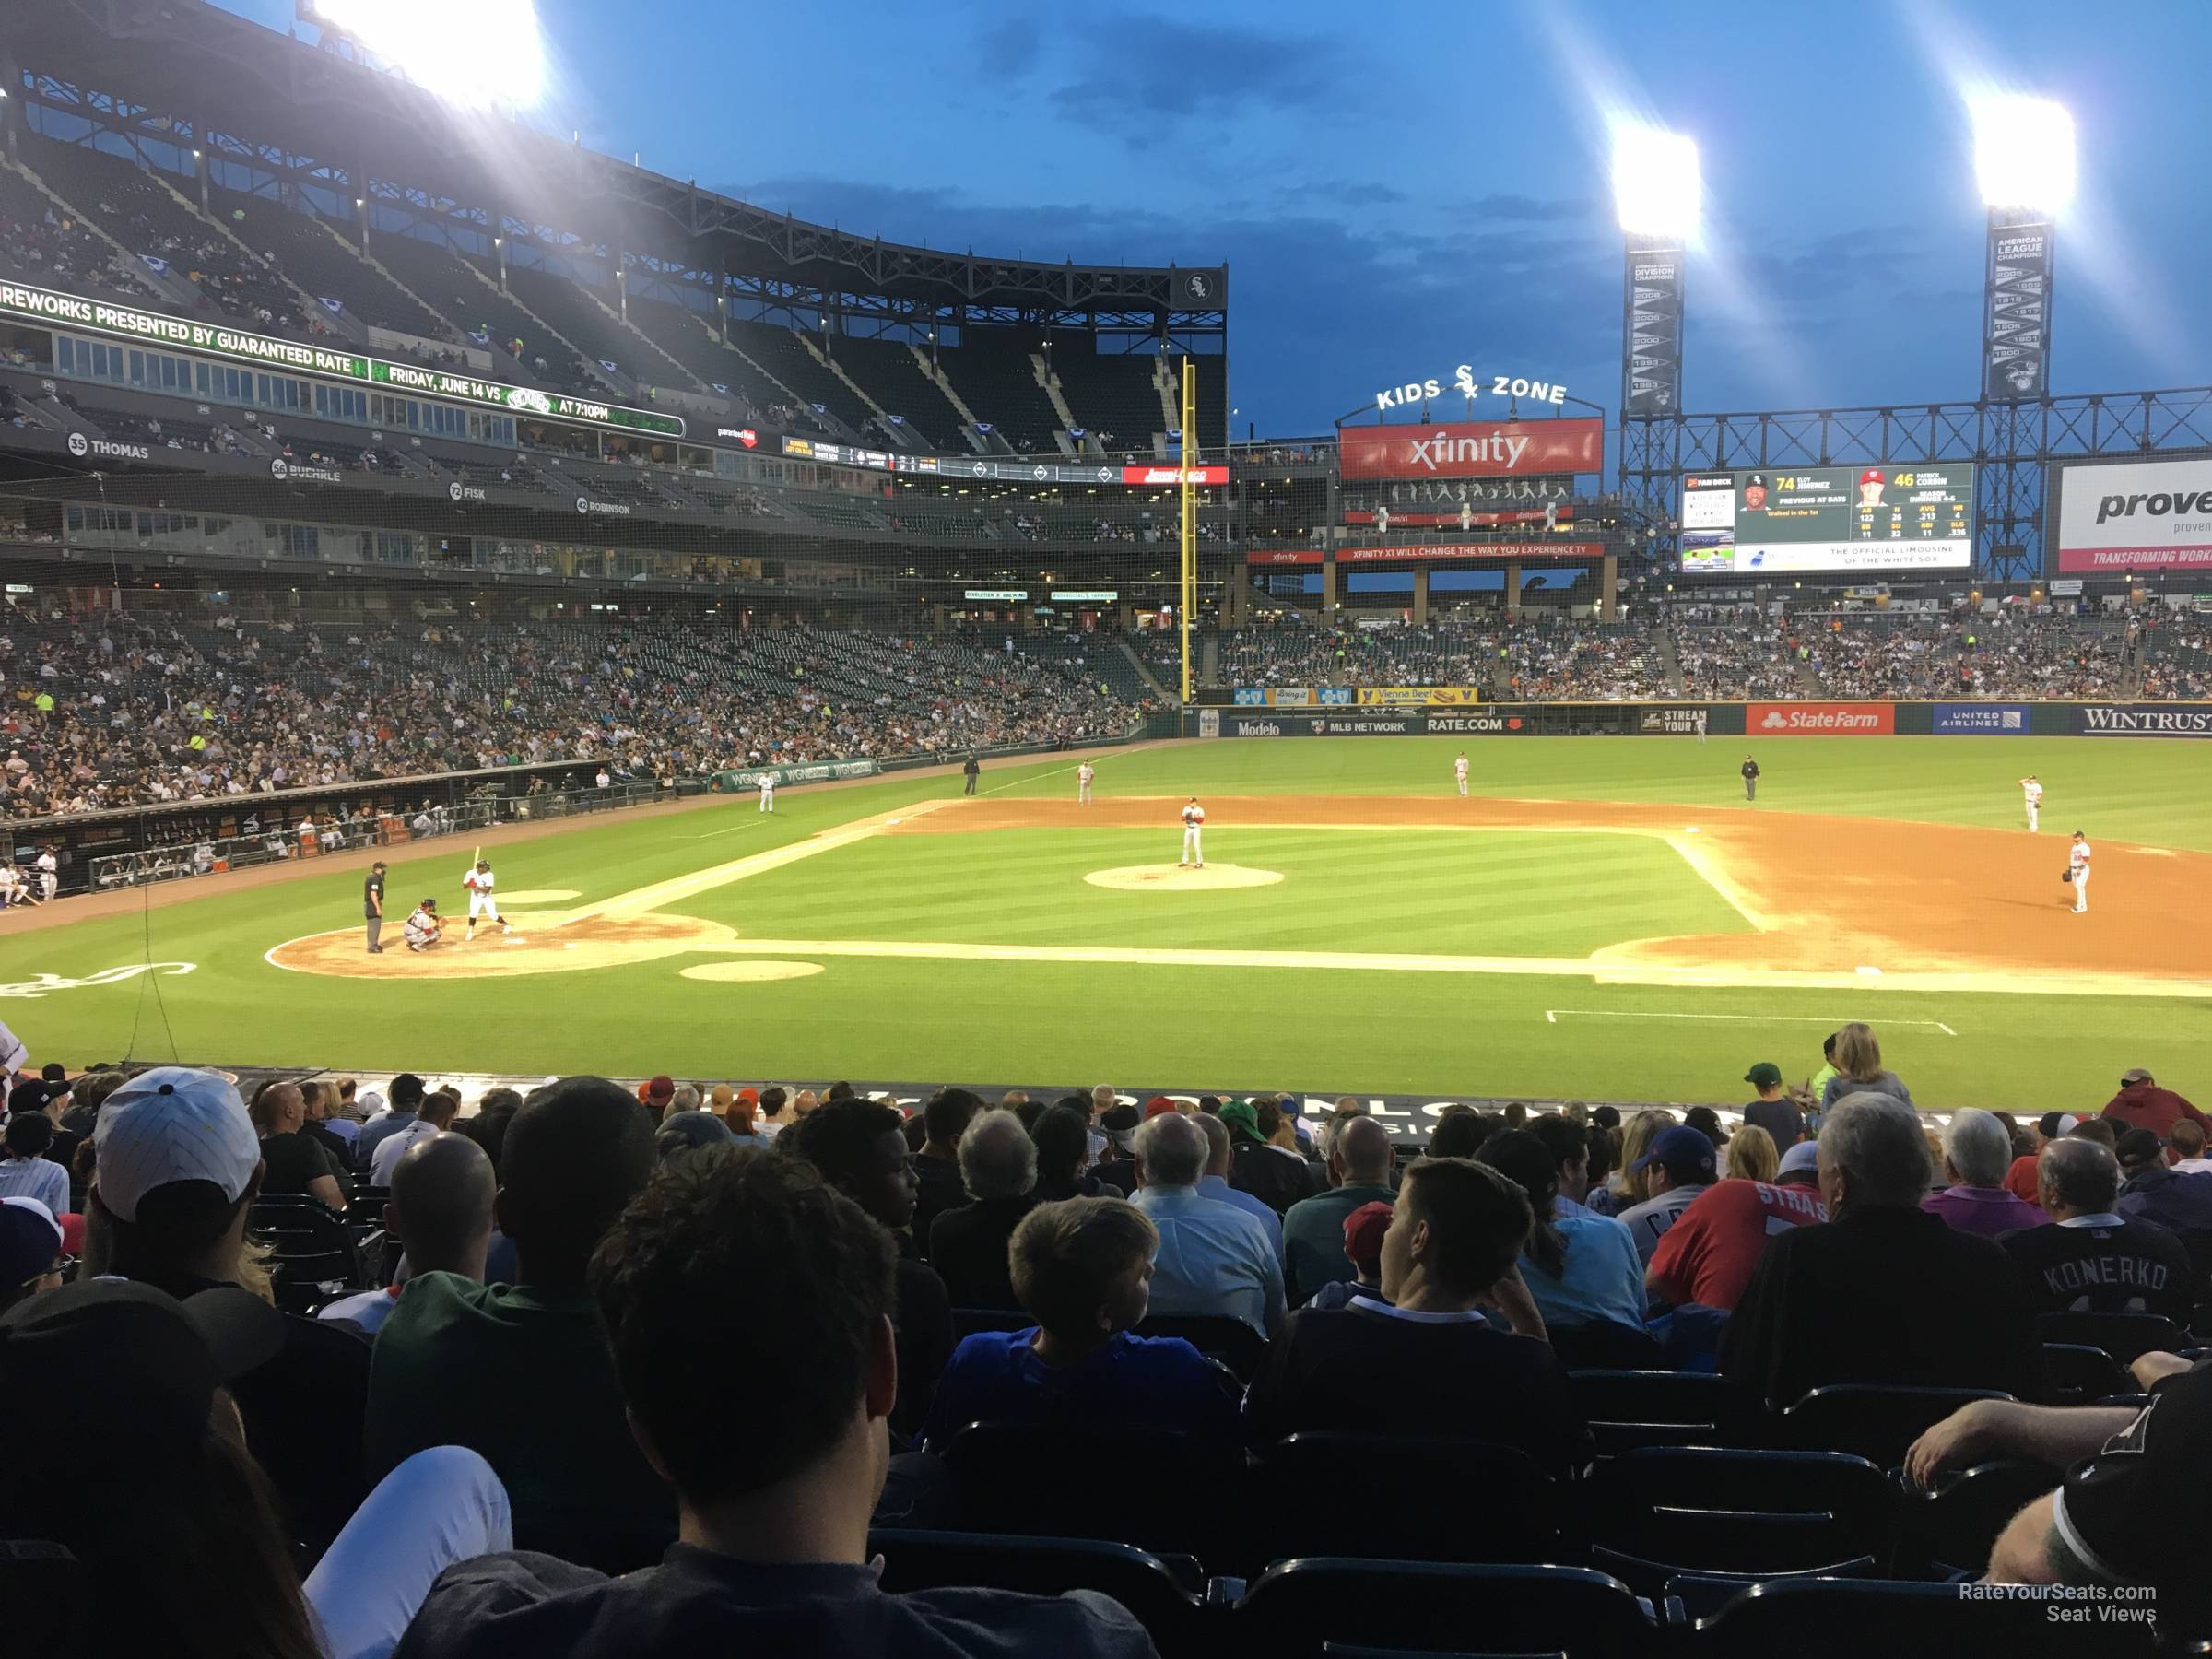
pixel 183 72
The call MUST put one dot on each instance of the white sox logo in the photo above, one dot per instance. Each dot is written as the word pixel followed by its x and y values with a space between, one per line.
pixel 45 983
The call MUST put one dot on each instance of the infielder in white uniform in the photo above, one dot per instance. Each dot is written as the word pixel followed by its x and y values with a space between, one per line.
pixel 1698 720
pixel 1083 777
pixel 2034 792
pixel 767 791
pixel 50 879
pixel 1459 771
pixel 478 882
pixel 2077 865
pixel 1193 852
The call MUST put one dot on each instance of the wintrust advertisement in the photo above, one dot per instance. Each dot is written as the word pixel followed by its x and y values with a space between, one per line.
pixel 1819 720
pixel 1472 448
pixel 2145 515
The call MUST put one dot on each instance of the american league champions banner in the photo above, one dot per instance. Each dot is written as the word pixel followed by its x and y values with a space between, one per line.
pixel 2015 334
pixel 1652 375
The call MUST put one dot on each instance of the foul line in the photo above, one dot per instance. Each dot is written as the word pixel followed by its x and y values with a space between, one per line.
pixel 1551 1016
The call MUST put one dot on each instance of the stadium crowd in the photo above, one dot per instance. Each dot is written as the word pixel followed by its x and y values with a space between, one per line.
pixel 1549 659
pixel 334 1333
pixel 113 709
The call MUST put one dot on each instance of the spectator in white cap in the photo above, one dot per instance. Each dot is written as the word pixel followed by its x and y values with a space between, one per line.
pixel 178 1166
pixel 30 1250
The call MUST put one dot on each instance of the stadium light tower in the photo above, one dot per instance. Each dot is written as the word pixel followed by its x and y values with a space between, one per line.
pixel 1657 189
pixel 2024 164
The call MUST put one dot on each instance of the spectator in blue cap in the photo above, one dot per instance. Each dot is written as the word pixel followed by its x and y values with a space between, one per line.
pixel 1680 1163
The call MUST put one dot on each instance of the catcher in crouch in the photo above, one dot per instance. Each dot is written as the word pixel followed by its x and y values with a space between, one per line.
pixel 423 925
pixel 478 882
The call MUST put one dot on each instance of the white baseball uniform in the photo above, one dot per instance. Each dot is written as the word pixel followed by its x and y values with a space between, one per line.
pixel 421 930
pixel 1083 777
pixel 2077 860
pixel 8 886
pixel 49 877
pixel 2034 792
pixel 1698 720
pixel 1194 852
pixel 768 793
pixel 1459 773
pixel 480 901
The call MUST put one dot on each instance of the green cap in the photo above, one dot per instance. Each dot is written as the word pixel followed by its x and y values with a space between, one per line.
pixel 1765 1075
pixel 1238 1115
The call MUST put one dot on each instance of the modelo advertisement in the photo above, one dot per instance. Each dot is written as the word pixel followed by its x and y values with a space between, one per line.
pixel 1909 517
pixel 1980 719
pixel 1471 449
pixel 1819 720
pixel 2140 515
pixel 2142 720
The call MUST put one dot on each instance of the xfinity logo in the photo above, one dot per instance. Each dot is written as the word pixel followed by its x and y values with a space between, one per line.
pixel 1444 450
pixel 2178 504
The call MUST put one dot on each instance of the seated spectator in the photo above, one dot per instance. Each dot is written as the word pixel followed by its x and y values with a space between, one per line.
pixel 1461 1132
pixel 513 1371
pixel 1213 1258
pixel 1774 1110
pixel 774 1504
pixel 293 1163
pixel 1977 1153
pixel 1569 1142
pixel 1680 1164
pixel 27 1171
pixel 2131 1507
pixel 1630 1182
pixel 772 1121
pixel 1706 1257
pixel 178 1169
pixel 404 1100
pixel 2185 1149
pixel 1455 1231
pixel 968 1247
pixel 1882 1291
pixel 2142 1104
pixel 1214 1184
pixel 1273 1175
pixel 2151 1190
pixel 859 1148
pixel 319 1101
pixel 488 1128
pixel 2098 1130
pixel 1063 1149
pixel 1363 1231
pixel 936 1168
pixel 2020 1177
pixel 690 1130
pixel 2089 1259
pixel 30 1250
pixel 1082 1267
pixel 1117 1166
pixel 1359 1165
pixel 1858 1058
pixel 1581 1270
pixel 434 1116
pixel 440 1211
pixel 1752 1155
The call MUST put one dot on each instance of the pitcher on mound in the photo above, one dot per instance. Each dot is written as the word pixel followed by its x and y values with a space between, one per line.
pixel 1193 850
pixel 478 882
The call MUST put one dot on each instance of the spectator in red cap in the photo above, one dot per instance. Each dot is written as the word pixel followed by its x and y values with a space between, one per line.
pixel 657 1094
pixel 1363 1231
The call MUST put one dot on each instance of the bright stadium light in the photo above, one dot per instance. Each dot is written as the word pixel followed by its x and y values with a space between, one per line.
pixel 2023 152
pixel 477 53
pixel 1655 183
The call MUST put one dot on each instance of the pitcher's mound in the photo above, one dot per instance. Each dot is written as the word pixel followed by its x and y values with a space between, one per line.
pixel 1173 878
pixel 749 973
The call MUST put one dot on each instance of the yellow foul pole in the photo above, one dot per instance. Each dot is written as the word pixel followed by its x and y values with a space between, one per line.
pixel 1190 514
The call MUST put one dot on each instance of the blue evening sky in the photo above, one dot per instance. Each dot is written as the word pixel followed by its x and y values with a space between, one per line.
pixel 1401 190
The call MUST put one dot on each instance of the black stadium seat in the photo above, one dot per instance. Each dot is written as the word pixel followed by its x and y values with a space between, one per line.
pixel 47 1595
pixel 1164 1594
pixel 312 1251
pixel 1874 1421
pixel 2078 1372
pixel 1218 1336
pixel 1307 1607
pixel 1629 1408
pixel 1155 1490
pixel 1952 1528
pixel 2125 1336
pixel 1329 1492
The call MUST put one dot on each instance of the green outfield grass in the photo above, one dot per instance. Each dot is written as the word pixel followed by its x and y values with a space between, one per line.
pixel 1552 895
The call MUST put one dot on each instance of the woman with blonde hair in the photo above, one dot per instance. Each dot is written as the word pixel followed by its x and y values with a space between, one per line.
pixel 1630 1185
pixel 1751 1155
pixel 1859 1068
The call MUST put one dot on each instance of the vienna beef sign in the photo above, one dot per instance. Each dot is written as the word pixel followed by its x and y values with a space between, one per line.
pixel 1472 448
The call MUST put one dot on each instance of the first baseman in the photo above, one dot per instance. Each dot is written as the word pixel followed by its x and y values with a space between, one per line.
pixel 1459 771
pixel 1083 777
pixel 2034 792
pixel 478 882
pixel 2078 866
pixel 1194 852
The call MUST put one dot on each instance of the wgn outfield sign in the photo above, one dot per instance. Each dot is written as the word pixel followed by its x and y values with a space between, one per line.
pixel 22 303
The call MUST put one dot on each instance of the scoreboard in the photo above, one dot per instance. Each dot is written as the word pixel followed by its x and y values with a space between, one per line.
pixel 1906 516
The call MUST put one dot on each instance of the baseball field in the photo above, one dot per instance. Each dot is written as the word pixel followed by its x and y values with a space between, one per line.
pixel 1601 917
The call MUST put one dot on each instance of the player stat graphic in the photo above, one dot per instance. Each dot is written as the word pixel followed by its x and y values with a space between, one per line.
pixel 1909 517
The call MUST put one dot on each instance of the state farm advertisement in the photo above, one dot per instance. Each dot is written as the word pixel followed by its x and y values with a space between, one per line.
pixel 1472 448
pixel 1819 720
pixel 2145 515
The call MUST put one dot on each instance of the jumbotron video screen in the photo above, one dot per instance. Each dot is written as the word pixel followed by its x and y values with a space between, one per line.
pixel 1908 516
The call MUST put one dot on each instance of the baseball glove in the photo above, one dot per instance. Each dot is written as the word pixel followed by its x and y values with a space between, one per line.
pixel 2066 876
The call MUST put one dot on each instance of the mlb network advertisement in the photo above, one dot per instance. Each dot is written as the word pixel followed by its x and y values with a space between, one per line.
pixel 1798 520
pixel 1472 448
pixel 2150 516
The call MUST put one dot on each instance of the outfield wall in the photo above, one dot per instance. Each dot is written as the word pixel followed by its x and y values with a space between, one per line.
pixel 1400 712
